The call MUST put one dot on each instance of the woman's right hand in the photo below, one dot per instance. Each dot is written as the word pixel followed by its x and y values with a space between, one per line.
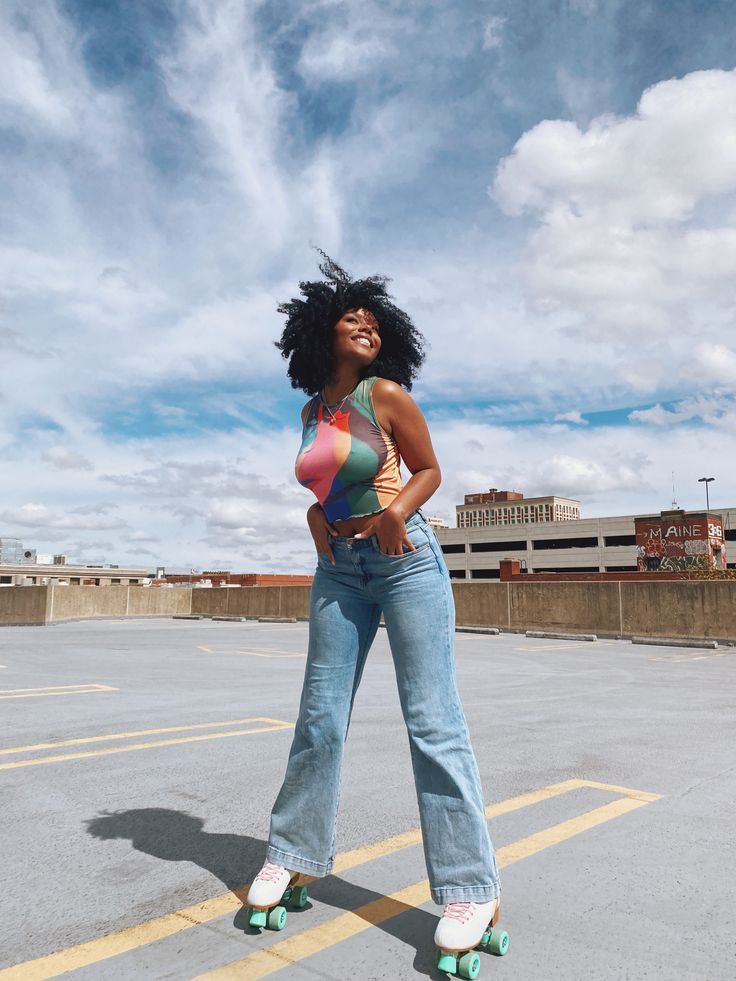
pixel 321 530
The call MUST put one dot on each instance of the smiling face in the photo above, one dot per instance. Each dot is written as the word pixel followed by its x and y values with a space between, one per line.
pixel 356 338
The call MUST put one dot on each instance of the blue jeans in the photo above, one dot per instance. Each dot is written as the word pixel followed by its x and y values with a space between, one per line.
pixel 413 592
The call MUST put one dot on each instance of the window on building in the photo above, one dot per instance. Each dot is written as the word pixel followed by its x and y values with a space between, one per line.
pixel 621 568
pixel 451 549
pixel 457 574
pixel 555 543
pixel 114 582
pixel 485 574
pixel 612 540
pixel 730 534
pixel 517 546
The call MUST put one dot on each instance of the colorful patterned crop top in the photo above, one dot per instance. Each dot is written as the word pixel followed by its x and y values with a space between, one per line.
pixel 347 460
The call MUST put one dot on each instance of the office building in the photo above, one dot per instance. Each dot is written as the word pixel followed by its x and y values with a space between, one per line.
pixel 606 544
pixel 497 507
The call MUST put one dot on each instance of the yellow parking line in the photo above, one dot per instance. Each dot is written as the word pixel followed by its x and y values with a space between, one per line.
pixel 258 652
pixel 65 757
pixel 85 740
pixel 55 690
pixel 553 647
pixel 288 952
pixel 277 956
pixel 692 656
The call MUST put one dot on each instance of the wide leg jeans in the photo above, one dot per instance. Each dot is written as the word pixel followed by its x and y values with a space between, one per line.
pixel 413 592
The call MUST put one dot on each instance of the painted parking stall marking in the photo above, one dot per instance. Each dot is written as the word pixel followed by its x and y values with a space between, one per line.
pixel 251 652
pixel 88 689
pixel 294 949
pixel 253 726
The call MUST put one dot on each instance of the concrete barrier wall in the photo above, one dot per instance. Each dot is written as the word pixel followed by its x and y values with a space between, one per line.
pixel 585 607
pixel 649 609
pixel 144 601
pixel 481 604
pixel 252 601
pixel 679 609
pixel 86 602
pixel 23 605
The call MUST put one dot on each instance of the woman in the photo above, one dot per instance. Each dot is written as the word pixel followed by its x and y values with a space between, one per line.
pixel 356 354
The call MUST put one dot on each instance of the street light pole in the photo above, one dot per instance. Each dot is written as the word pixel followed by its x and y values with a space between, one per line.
pixel 706 481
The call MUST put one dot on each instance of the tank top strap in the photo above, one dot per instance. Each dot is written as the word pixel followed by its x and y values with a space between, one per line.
pixel 363 396
pixel 311 411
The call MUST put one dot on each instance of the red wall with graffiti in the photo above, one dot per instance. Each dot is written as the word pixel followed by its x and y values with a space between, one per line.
pixel 678 541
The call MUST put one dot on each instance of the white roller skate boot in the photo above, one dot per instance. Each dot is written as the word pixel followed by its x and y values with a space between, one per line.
pixel 273 886
pixel 463 928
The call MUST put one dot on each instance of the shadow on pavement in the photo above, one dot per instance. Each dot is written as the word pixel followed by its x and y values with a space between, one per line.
pixel 176 836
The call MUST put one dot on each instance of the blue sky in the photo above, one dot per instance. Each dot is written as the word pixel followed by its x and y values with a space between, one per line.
pixel 550 185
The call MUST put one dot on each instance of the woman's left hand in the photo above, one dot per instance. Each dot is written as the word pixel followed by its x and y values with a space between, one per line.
pixel 390 530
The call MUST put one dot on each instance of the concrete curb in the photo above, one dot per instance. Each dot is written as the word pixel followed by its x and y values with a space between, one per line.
pixel 277 619
pixel 708 645
pixel 550 635
pixel 186 616
pixel 494 631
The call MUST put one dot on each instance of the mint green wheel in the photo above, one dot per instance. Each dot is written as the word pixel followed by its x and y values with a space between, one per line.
pixel 299 897
pixel 257 918
pixel 447 963
pixel 277 918
pixel 287 895
pixel 498 943
pixel 469 966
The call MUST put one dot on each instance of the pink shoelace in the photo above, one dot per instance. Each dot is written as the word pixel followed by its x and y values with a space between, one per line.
pixel 270 873
pixel 458 911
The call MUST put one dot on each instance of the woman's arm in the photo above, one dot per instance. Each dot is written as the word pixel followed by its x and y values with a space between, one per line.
pixel 398 413
pixel 319 527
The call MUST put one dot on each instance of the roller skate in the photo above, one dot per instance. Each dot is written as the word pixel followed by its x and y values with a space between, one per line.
pixel 464 929
pixel 271 889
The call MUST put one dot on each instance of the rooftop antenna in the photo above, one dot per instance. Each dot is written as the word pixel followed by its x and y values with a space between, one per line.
pixel 675 505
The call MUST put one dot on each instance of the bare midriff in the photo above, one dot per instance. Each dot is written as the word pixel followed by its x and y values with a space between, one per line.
pixel 351 527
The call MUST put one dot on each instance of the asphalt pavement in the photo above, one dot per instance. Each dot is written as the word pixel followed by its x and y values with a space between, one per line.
pixel 139 761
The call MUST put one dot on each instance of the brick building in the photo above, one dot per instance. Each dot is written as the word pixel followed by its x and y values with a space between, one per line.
pixel 502 507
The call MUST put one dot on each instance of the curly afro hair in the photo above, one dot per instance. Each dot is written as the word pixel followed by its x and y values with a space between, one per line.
pixel 307 337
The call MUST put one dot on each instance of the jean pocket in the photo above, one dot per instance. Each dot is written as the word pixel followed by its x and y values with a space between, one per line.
pixel 419 540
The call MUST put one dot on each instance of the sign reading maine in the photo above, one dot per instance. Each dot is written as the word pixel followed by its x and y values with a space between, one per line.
pixel 680 541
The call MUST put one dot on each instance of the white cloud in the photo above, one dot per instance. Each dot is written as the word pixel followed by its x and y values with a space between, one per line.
pixel 61 458
pixel 707 409
pixel 218 75
pixel 609 469
pixel 647 170
pixel 123 277
pixel 619 237
pixel 493 33
pixel 585 7
pixel 335 56
pixel 715 363
pixel 632 241
pixel 574 417
pixel 39 516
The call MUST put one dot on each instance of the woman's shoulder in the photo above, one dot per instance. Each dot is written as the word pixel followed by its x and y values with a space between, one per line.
pixel 389 391
pixel 306 409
